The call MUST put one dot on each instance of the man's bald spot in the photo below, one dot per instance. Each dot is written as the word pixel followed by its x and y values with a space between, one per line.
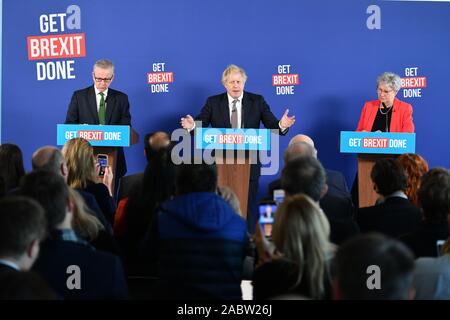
pixel 302 138
pixel 42 156
pixel 159 140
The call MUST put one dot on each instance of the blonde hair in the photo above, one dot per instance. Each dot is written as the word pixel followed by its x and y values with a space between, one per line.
pixel 301 233
pixel 232 68
pixel 84 223
pixel 231 198
pixel 79 156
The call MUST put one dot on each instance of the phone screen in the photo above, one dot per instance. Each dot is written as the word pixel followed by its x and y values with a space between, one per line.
pixel 266 217
pixel 102 161
pixel 278 195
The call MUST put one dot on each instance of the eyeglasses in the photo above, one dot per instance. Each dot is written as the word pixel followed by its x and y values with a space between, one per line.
pixel 106 80
pixel 384 91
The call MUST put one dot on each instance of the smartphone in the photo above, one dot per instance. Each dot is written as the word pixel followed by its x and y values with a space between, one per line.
pixel 102 161
pixel 267 212
pixel 278 195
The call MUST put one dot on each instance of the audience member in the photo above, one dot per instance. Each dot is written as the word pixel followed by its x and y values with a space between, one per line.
pixel 306 175
pixel 415 167
pixel 51 159
pixel 153 142
pixel 434 199
pixel 65 258
pixel 298 266
pixel 202 241
pixel 83 175
pixel 373 267
pixel 22 228
pixel 25 285
pixel 11 167
pixel 432 275
pixel 395 215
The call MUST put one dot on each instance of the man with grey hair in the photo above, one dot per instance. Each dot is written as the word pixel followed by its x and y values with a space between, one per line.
pixel 99 104
pixel 387 113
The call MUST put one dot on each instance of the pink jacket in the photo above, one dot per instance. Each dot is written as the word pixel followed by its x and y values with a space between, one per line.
pixel 401 121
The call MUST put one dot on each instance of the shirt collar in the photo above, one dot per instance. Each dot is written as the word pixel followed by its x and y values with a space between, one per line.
pixel 399 194
pixel 104 92
pixel 230 98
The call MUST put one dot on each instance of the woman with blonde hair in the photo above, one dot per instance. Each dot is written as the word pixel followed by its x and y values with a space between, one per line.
pixel 83 174
pixel 299 263
pixel 415 166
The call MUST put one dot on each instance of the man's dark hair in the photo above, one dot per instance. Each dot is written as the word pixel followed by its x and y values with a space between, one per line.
pixel 304 175
pixel 388 177
pixel 394 260
pixel 434 194
pixel 196 178
pixel 160 140
pixel 11 166
pixel 22 220
pixel 51 191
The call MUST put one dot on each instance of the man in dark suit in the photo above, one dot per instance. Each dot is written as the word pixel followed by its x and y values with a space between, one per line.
pixel 394 215
pixel 99 104
pixel 237 108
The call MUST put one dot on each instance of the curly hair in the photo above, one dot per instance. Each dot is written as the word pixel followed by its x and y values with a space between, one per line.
pixel 415 167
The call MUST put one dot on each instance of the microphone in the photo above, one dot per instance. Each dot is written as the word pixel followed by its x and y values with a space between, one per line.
pixel 383 104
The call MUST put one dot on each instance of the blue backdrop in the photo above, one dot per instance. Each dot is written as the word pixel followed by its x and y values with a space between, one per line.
pixel 337 48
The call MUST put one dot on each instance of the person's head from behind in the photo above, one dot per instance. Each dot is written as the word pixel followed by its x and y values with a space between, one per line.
pixel 52 193
pixel 103 74
pixel 233 79
pixel 196 178
pixel 373 267
pixel 51 159
pixel 388 177
pixel 11 165
pixel 304 175
pixel 301 233
pixel 299 149
pixel 79 156
pixel 434 194
pixel 415 167
pixel 22 228
pixel 155 141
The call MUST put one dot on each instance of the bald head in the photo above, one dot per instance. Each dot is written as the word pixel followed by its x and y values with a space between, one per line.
pixel 154 142
pixel 302 138
pixel 49 158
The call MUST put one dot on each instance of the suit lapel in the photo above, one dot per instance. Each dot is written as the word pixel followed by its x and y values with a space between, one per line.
pixel 225 110
pixel 92 101
pixel 110 105
pixel 245 107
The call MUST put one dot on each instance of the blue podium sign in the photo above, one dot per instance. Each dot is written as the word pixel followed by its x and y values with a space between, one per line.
pixel 232 139
pixel 378 142
pixel 97 135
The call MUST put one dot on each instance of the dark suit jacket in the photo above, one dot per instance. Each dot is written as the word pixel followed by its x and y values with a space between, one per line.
pixel 423 241
pixel 394 217
pixel 102 275
pixel 129 184
pixel 254 111
pixel 83 109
